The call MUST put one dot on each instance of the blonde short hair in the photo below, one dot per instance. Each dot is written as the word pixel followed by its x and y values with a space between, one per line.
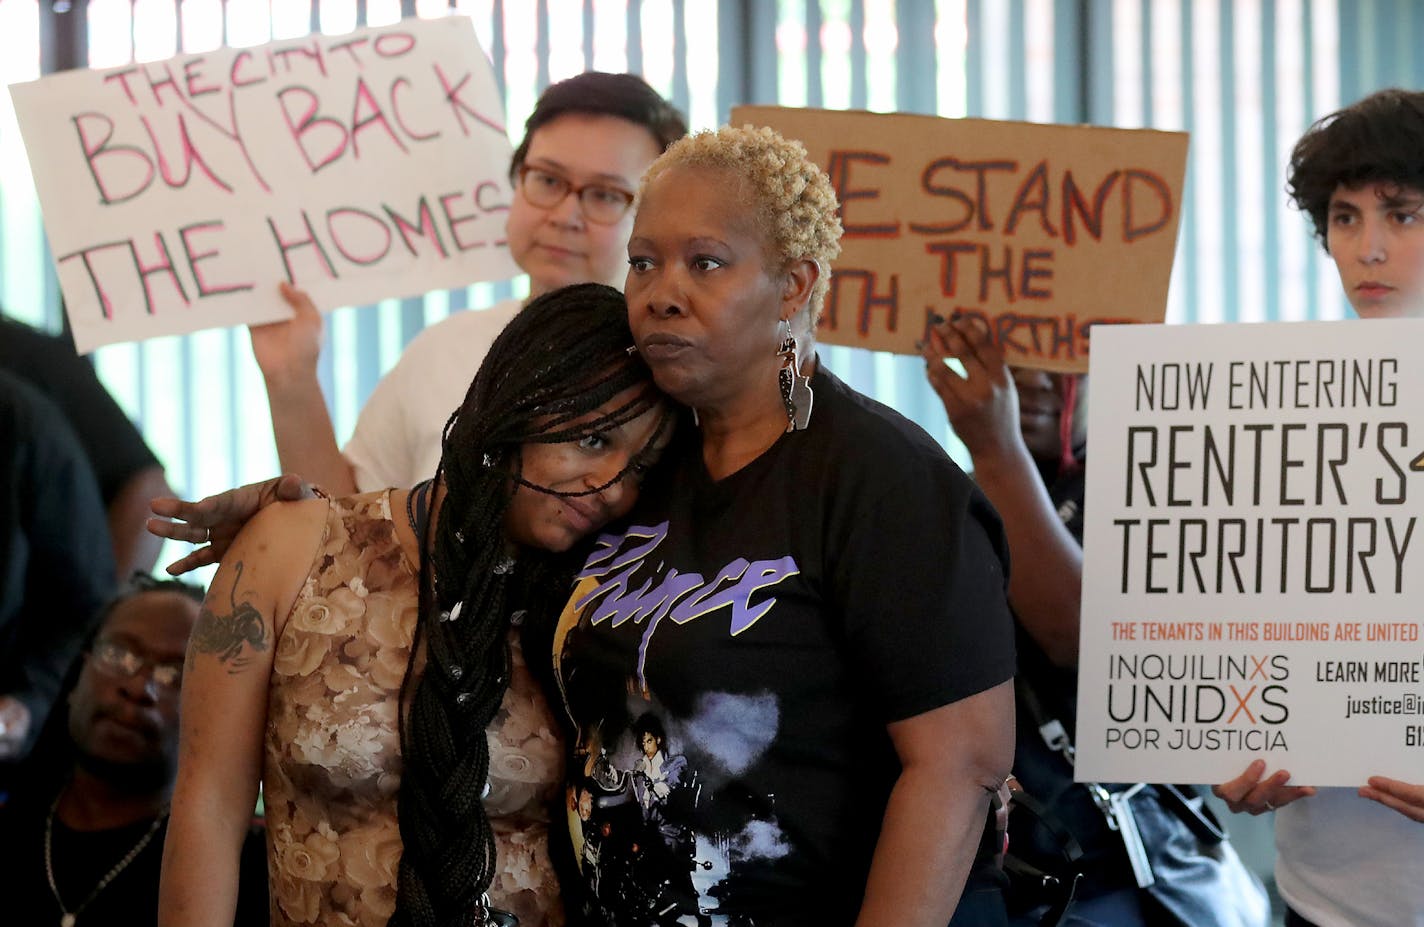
pixel 794 201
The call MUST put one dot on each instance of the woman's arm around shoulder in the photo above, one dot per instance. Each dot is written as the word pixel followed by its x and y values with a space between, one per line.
pixel 983 409
pixel 224 710
pixel 287 354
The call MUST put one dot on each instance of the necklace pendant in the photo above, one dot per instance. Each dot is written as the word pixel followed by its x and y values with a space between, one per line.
pixel 67 920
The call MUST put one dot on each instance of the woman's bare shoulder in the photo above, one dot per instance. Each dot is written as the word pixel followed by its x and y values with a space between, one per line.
pixel 278 548
pixel 282 524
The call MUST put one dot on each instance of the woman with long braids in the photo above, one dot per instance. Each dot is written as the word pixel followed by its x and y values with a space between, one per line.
pixel 361 656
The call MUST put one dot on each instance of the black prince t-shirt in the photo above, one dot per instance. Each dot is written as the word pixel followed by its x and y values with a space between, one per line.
pixel 732 654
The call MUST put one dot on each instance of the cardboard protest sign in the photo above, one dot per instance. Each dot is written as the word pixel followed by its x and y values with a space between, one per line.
pixel 1041 231
pixel 176 194
pixel 1253 553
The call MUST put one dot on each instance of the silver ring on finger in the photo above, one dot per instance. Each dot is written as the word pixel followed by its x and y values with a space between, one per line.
pixel 1270 807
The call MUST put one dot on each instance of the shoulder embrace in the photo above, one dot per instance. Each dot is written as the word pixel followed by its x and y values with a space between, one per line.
pixel 287 515
pixel 282 532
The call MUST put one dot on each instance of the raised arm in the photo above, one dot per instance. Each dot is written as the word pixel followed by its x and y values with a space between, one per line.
pixel 287 354
pixel 1046 585
pixel 224 712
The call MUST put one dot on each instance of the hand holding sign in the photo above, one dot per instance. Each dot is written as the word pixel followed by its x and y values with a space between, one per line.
pixel 982 405
pixel 1248 793
pixel 287 351
pixel 1403 797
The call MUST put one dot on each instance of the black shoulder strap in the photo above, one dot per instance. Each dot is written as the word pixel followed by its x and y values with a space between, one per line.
pixel 1050 729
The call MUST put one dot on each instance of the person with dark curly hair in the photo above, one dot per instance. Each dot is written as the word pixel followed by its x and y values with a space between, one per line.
pixel 1347 857
pixel 362 657
pixel 1366 159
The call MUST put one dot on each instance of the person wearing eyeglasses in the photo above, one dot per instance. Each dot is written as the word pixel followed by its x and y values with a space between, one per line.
pixel 81 840
pixel 585 146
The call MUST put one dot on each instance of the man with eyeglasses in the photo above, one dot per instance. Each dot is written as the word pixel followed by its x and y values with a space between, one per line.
pixel 81 839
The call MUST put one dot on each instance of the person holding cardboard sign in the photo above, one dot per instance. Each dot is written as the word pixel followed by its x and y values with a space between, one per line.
pixel 1351 858
pixel 585 145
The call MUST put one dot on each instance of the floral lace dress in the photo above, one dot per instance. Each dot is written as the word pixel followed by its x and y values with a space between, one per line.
pixel 332 767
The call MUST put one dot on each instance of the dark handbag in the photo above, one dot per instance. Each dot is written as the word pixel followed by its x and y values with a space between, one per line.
pixel 1181 858
pixel 1197 876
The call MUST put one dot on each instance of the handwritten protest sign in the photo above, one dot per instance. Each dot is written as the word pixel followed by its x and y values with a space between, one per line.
pixel 1254 558
pixel 1041 231
pixel 176 194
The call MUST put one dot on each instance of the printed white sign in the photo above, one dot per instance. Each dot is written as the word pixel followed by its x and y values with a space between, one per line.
pixel 1253 553
pixel 177 194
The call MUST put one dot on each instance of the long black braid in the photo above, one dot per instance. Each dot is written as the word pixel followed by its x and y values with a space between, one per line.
pixel 564 356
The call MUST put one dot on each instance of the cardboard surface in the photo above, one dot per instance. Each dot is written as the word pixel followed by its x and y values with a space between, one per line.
pixel 1042 231
pixel 177 194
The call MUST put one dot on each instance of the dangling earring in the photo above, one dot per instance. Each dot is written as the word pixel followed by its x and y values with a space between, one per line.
pixel 796 391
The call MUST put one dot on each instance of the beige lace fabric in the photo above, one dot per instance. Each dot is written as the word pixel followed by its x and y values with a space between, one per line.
pixel 332 767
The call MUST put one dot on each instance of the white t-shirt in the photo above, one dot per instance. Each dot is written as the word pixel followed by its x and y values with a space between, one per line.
pixel 397 437
pixel 1345 861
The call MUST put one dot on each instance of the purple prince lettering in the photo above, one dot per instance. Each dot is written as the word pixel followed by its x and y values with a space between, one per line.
pixel 683 596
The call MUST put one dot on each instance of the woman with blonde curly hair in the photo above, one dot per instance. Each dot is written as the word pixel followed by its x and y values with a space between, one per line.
pixel 810 601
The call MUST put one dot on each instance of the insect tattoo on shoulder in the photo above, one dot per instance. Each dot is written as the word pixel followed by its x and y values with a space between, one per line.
pixel 225 635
